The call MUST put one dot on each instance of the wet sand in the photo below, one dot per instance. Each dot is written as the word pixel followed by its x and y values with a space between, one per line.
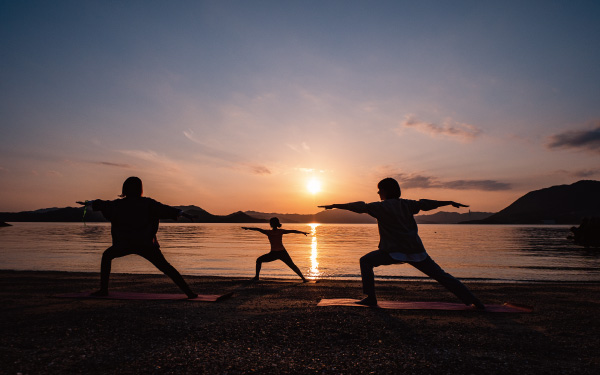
pixel 276 327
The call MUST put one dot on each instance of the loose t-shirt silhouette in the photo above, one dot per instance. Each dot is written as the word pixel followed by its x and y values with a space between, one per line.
pixel 398 231
pixel 135 220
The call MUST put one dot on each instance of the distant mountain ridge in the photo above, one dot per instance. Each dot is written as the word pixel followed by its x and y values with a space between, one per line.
pixel 75 214
pixel 65 214
pixel 323 217
pixel 206 217
pixel 348 217
pixel 443 217
pixel 561 204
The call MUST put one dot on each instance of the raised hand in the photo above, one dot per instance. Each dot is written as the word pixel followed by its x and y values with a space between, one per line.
pixel 458 205
pixel 327 206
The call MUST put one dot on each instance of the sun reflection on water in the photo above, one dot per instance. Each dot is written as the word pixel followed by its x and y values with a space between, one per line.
pixel 314 272
pixel 498 253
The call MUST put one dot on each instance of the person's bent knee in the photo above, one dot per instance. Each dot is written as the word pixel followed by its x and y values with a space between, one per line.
pixel 107 257
pixel 364 261
pixel 112 253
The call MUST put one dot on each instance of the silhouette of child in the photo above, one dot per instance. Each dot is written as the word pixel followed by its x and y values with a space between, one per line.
pixel 400 241
pixel 134 223
pixel 275 236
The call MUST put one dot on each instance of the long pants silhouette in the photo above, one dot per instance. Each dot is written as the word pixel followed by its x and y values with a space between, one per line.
pixel 151 253
pixel 428 267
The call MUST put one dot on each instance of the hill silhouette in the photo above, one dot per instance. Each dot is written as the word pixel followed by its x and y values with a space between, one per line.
pixel 323 217
pixel 65 214
pixel 75 214
pixel 206 217
pixel 348 217
pixel 443 217
pixel 562 204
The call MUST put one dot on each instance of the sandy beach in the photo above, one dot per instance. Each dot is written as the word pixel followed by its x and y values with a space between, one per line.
pixel 276 327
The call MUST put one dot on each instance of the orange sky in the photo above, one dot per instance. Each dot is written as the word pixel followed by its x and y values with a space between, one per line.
pixel 236 106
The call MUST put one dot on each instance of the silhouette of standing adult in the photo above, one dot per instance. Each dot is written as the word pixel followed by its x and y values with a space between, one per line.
pixel 400 241
pixel 134 223
pixel 278 251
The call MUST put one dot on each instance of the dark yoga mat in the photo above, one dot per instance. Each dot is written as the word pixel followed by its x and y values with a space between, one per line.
pixel 398 305
pixel 146 296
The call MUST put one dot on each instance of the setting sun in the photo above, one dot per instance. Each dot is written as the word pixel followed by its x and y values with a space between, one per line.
pixel 314 186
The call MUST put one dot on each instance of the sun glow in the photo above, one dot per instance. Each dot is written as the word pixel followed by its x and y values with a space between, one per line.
pixel 314 272
pixel 314 186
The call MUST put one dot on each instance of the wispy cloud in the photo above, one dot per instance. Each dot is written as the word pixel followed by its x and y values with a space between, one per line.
pixel 579 173
pixel 116 165
pixel 53 173
pixel 160 161
pixel 449 128
pixel 2 169
pixel 259 169
pixel 225 156
pixel 485 185
pixel 410 180
pixel 587 140
pixel 211 151
pixel 302 147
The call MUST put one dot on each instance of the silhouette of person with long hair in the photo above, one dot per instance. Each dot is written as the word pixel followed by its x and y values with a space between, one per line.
pixel 134 223
pixel 400 241
pixel 278 251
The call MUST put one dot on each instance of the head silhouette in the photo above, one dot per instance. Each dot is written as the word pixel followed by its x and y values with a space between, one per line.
pixel 274 222
pixel 389 188
pixel 132 188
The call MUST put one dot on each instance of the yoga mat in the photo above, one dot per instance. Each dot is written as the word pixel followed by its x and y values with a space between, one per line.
pixel 284 281
pixel 146 296
pixel 398 305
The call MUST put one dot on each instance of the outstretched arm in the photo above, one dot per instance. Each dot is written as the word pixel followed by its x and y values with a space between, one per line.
pixel 428 205
pixel 358 207
pixel 295 231
pixel 256 229
pixel 85 203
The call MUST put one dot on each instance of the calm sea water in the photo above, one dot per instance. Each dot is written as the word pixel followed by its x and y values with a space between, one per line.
pixel 471 252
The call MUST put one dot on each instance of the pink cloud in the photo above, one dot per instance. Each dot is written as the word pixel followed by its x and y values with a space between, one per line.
pixel 460 131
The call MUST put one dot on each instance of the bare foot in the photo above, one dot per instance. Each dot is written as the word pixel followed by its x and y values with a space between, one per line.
pixel 369 301
pixel 478 306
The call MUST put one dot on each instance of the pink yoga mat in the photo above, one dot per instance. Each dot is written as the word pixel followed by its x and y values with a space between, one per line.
pixel 285 281
pixel 146 296
pixel 398 305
